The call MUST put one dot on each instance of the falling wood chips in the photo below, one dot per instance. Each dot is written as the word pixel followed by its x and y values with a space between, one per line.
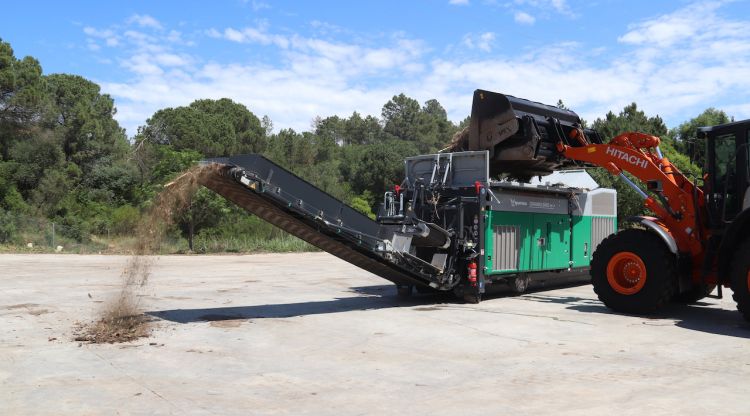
pixel 121 319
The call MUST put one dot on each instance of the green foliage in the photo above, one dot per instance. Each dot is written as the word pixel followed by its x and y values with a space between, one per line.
pixel 377 167
pixel 362 205
pixel 83 119
pixel 7 226
pixel 22 95
pixel 685 137
pixel 206 209
pixel 428 127
pixel 209 127
pixel 64 159
pixel 629 119
pixel 125 219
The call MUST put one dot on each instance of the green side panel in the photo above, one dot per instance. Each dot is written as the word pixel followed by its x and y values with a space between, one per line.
pixel 543 241
pixel 581 241
pixel 584 238
pixel 553 241
pixel 523 221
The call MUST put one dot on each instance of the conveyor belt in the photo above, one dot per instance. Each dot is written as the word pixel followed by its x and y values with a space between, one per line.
pixel 334 228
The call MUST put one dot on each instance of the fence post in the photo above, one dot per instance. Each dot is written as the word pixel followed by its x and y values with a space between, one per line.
pixel 53 235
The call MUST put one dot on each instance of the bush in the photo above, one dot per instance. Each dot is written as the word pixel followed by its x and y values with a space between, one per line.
pixel 125 219
pixel 7 227
pixel 362 205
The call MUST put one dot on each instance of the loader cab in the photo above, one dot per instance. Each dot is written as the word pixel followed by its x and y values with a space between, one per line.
pixel 727 161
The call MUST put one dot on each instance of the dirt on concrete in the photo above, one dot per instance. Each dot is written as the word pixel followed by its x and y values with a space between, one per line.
pixel 121 318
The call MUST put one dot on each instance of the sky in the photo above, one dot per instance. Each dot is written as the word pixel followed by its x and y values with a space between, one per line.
pixel 295 60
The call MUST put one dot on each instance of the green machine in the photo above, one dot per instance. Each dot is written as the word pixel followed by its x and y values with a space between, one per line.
pixel 553 224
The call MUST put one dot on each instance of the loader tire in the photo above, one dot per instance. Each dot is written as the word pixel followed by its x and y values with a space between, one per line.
pixel 740 278
pixel 633 272
pixel 695 293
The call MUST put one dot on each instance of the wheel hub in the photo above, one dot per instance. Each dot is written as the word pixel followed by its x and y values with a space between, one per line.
pixel 626 273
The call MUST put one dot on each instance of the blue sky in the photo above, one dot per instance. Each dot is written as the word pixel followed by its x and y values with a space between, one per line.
pixel 296 60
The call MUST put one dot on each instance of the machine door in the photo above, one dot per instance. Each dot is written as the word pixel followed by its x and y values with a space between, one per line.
pixel 727 149
pixel 550 242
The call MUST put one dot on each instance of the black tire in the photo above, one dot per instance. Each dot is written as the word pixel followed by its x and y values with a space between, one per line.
pixel 656 262
pixel 739 279
pixel 472 298
pixel 695 293
pixel 519 283
pixel 404 291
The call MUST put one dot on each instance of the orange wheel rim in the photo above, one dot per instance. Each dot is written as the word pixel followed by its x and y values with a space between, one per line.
pixel 626 273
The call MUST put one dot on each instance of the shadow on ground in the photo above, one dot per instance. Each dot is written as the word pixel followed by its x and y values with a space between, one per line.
pixel 364 298
pixel 370 298
pixel 700 316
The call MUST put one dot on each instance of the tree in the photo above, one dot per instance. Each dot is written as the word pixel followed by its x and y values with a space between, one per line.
pixel 438 130
pixel 84 120
pixel 205 210
pixel 210 127
pixel 362 130
pixel 685 137
pixel 629 119
pixel 428 126
pixel 402 118
pixel 22 95
pixel 332 128
pixel 348 131
pixel 377 167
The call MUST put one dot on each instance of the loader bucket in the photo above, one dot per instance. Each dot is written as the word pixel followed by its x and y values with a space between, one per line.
pixel 520 135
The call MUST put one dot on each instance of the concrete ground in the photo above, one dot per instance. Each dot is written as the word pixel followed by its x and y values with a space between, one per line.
pixel 309 334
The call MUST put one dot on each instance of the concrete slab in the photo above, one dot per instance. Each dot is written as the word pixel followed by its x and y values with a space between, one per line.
pixel 309 334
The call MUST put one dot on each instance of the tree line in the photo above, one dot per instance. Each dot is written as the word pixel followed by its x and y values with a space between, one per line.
pixel 65 159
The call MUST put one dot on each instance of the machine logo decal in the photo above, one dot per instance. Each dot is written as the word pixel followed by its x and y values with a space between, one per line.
pixel 532 204
pixel 633 160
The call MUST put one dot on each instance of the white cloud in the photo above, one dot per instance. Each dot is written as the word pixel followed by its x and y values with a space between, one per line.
pixel 98 33
pixel 483 42
pixel 108 35
pixel 524 18
pixel 664 73
pixel 255 35
pixel 458 2
pixel 213 33
pixel 145 20
pixel 542 6
pixel 669 29
pixel 259 5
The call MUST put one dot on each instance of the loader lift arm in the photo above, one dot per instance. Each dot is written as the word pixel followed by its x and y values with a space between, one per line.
pixel 678 204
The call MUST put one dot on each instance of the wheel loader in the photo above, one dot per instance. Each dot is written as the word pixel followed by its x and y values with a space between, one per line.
pixel 697 236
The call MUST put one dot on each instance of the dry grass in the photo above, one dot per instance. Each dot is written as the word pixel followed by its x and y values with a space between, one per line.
pixel 121 318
